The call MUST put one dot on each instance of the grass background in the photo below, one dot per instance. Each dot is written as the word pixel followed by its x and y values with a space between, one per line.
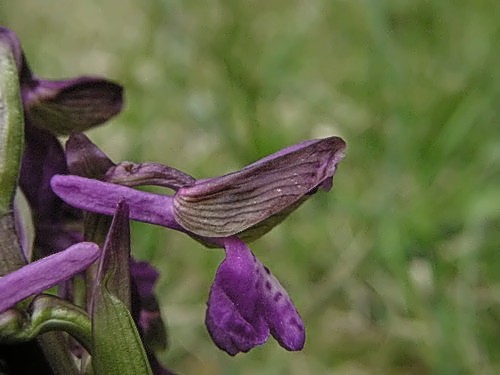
pixel 397 270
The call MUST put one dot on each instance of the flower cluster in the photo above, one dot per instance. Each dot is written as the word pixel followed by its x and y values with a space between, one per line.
pixel 72 195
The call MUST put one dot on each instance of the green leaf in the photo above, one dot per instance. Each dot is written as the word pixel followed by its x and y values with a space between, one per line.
pixel 114 265
pixel 11 254
pixel 117 345
pixel 11 148
pixel 11 126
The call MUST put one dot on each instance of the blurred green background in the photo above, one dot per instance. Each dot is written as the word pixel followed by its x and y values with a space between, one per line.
pixel 397 269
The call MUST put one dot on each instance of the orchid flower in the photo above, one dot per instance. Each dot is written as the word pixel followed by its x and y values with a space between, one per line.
pixel 246 302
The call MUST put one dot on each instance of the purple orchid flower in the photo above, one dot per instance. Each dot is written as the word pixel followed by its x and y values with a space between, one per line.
pixel 246 302
pixel 54 108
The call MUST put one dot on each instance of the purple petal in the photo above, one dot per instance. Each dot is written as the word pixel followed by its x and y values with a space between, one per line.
pixel 72 105
pixel 103 197
pixel 133 174
pixel 85 159
pixel 43 157
pixel 246 303
pixel 44 273
pixel 230 204
pixel 144 276
pixel 145 307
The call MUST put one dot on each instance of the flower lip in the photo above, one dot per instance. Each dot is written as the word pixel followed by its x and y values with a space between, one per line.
pixel 230 204
pixel 247 303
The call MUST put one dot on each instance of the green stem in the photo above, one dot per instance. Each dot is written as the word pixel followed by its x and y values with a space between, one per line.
pixel 48 313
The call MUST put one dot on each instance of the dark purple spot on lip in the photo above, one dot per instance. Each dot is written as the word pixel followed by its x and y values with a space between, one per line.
pixel 267 270
pixel 277 296
pixel 268 285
